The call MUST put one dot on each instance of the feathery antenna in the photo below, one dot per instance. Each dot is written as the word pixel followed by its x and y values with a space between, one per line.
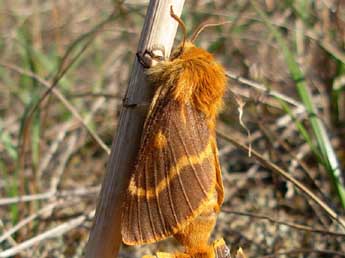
pixel 204 26
pixel 181 23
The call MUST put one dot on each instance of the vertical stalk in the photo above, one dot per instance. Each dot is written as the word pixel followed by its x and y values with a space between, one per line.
pixel 105 238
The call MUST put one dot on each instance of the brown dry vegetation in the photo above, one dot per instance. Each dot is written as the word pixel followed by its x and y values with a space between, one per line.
pixel 62 165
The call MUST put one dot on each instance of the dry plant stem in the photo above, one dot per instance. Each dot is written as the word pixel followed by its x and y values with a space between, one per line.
pixel 46 159
pixel 304 251
pixel 247 93
pixel 27 220
pixel 54 232
pixel 283 121
pixel 10 240
pixel 262 88
pixel 289 224
pixel 48 195
pixel 266 163
pixel 62 161
pixel 277 141
pixel 105 237
pixel 61 97
pixel 25 137
pixel 62 132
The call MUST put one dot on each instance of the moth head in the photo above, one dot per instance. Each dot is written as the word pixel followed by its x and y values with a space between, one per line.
pixel 186 47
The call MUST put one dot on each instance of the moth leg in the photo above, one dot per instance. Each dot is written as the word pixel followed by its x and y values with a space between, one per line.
pixel 141 107
pixel 150 58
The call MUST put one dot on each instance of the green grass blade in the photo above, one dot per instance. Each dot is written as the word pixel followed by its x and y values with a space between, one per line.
pixel 300 127
pixel 7 142
pixel 330 161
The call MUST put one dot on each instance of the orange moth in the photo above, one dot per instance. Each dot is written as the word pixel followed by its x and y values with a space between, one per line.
pixel 176 187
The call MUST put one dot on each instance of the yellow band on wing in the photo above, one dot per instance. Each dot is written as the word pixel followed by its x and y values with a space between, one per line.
pixel 173 172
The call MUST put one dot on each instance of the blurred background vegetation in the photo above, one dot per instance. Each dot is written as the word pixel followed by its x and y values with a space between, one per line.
pixel 285 62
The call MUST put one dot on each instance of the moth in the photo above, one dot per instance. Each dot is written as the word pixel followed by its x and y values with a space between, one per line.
pixel 176 187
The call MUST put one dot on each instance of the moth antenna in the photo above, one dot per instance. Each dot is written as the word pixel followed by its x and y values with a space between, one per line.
pixel 205 25
pixel 181 23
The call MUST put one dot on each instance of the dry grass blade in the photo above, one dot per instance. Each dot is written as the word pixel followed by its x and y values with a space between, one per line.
pixel 27 220
pixel 289 224
pixel 47 195
pixel 61 97
pixel 328 156
pixel 264 89
pixel 266 163
pixel 51 233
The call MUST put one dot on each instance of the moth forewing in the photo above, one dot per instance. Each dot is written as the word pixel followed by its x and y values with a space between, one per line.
pixel 170 182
